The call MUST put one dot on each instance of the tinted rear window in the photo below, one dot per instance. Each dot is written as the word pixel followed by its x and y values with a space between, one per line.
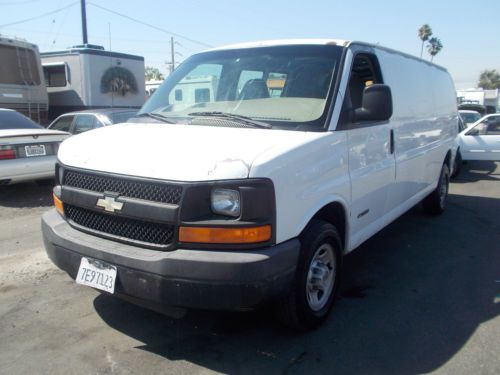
pixel 15 120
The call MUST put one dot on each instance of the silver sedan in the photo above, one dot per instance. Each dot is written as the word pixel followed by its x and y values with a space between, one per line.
pixel 27 150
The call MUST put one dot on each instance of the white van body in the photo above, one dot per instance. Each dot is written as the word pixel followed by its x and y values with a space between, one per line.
pixel 367 174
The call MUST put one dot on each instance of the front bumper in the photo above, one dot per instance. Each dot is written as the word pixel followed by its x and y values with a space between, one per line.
pixel 185 278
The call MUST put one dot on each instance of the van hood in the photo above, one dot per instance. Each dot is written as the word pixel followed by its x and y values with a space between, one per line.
pixel 174 152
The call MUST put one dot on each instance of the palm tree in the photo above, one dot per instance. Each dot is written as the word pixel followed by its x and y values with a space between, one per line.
pixel 424 33
pixel 489 79
pixel 434 47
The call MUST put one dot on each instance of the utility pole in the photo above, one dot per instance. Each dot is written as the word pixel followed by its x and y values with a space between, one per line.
pixel 172 68
pixel 84 22
pixel 171 63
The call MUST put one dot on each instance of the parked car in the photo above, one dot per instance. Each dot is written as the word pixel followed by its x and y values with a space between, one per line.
pixel 27 150
pixel 481 141
pixel 234 197
pixel 479 108
pixel 82 121
pixel 469 116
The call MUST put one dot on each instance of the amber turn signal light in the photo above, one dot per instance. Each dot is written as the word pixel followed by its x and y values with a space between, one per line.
pixel 225 235
pixel 58 204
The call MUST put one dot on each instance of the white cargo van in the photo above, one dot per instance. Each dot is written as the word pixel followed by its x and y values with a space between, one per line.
pixel 247 198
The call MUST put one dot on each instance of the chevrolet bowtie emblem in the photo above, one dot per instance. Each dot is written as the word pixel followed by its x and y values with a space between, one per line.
pixel 109 204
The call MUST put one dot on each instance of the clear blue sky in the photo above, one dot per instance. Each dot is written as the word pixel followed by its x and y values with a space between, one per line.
pixel 469 30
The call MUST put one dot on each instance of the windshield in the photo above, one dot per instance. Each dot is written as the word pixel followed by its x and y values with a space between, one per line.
pixel 470 117
pixel 15 120
pixel 284 86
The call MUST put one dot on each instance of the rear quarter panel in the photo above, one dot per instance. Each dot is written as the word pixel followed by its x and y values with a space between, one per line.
pixel 424 120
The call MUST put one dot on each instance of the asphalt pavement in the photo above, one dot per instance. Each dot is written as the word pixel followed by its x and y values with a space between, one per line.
pixel 421 296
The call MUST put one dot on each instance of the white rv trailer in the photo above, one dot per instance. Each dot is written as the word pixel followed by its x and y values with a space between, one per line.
pixel 87 76
pixel 21 85
pixel 194 90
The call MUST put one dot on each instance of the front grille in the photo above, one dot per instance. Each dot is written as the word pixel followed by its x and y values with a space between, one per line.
pixel 151 191
pixel 118 226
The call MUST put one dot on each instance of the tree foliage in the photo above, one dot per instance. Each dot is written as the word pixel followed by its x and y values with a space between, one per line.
pixel 434 46
pixel 152 73
pixel 489 79
pixel 424 33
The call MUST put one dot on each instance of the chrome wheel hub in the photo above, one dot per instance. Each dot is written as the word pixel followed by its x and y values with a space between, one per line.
pixel 321 277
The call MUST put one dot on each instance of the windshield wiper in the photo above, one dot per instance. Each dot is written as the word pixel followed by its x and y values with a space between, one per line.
pixel 156 116
pixel 232 116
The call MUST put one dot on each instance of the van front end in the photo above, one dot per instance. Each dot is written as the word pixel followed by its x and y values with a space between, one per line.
pixel 207 245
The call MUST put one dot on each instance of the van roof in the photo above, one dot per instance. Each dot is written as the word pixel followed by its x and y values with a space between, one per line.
pixel 317 41
pixel 284 42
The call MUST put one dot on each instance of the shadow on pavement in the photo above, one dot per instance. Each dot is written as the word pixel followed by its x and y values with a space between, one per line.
pixel 473 171
pixel 412 296
pixel 26 195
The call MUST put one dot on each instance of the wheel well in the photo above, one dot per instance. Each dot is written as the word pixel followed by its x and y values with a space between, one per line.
pixel 334 213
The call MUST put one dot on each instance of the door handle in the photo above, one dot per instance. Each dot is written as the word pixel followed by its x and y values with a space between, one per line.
pixel 392 142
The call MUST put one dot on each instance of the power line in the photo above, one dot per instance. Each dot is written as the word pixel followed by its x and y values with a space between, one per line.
pixel 152 26
pixel 40 16
pixel 18 2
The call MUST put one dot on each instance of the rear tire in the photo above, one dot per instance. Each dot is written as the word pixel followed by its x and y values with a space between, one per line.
pixel 435 202
pixel 458 164
pixel 317 276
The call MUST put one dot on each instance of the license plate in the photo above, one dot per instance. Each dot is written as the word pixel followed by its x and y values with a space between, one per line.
pixel 35 150
pixel 97 274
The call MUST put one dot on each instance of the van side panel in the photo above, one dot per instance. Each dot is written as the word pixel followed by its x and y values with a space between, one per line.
pixel 306 178
pixel 424 122
pixel 446 120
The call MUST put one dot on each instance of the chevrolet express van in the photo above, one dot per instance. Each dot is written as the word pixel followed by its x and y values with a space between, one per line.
pixel 241 195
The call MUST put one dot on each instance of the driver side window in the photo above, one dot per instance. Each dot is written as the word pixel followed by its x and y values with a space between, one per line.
pixel 365 71
pixel 489 126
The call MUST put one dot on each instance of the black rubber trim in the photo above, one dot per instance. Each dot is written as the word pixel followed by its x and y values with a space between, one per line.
pixel 133 208
pixel 186 278
pixel 334 92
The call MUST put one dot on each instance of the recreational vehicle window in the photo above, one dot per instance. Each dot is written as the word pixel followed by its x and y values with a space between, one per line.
pixel 55 75
pixel 201 95
pixel 19 66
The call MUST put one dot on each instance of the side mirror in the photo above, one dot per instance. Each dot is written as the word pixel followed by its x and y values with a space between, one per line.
pixel 377 104
pixel 473 131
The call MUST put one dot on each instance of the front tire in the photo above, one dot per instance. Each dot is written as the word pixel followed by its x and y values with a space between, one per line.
pixel 316 279
pixel 435 202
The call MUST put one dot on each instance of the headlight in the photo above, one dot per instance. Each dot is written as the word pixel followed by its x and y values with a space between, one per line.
pixel 226 202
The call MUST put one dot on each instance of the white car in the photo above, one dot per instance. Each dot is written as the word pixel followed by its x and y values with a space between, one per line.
pixel 481 141
pixel 27 150
pixel 81 121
